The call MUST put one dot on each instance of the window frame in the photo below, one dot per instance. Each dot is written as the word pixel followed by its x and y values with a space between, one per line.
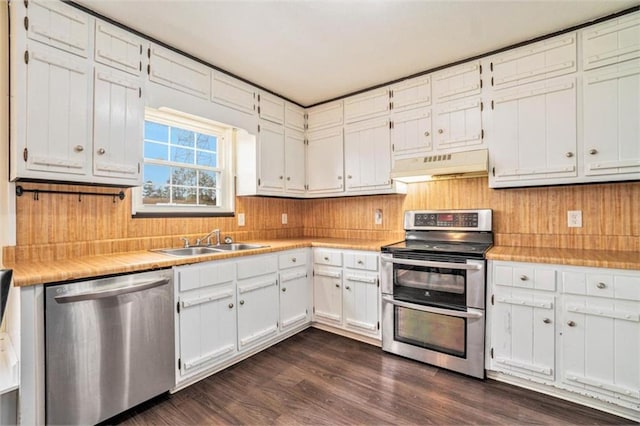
pixel 225 165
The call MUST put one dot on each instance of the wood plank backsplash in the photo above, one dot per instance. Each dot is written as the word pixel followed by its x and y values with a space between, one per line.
pixel 60 226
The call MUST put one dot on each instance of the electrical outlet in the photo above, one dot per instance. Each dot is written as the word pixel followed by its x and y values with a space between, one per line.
pixel 240 219
pixel 377 217
pixel 284 218
pixel 574 218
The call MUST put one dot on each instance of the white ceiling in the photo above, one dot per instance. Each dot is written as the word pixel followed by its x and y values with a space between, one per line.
pixel 312 51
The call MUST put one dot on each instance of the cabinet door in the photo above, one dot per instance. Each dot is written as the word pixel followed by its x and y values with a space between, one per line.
pixel 294 117
pixel 366 105
pixel 361 302
pixel 601 347
pixel 610 42
pixel 325 161
pixel 534 132
pixel 523 335
pixel 118 126
pixel 412 93
pixel 611 125
pixel 456 82
pixel 294 298
pixel 231 92
pixel 458 124
pixel 118 48
pixel 411 133
pixel 57 113
pixel 326 115
pixel 257 310
pixel 271 152
pixel 327 296
pixel 367 153
pixel 58 25
pixel 294 161
pixel 174 70
pixel 271 108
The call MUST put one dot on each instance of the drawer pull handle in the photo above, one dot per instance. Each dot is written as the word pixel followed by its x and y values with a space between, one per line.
pixel 601 285
pixel 571 323
pixel 546 321
pixel 326 258
pixel 523 278
pixel 360 262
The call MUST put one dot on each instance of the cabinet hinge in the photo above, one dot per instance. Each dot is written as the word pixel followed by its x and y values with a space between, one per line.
pixel 179 363
pixel 491 66
pixel 149 52
pixel 480 69
pixel 492 105
pixel 378 325
pixel 258 124
pixel 377 282
pixel 149 69
pixel 258 181
pixel 139 92
pixel 492 81
pixel 313 272
pixel 481 106
pixel 390 105
pixel 140 66
pixel 481 133
pixel 178 307
pixel 26 56
pixel 306 311
pixel 492 299
pixel 25 154
pixel 26 3
pixel 481 83
pixel 493 171
pixel 141 49
pixel 314 309
pixel 258 101
pixel 491 353
pixel 138 168
pixel 26 23
pixel 393 147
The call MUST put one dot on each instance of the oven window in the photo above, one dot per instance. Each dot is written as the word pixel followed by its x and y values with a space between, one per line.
pixel 428 285
pixel 441 333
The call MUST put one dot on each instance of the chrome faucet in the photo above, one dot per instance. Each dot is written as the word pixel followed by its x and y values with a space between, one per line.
pixel 207 238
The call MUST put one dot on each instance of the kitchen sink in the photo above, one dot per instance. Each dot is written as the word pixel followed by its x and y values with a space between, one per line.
pixel 203 250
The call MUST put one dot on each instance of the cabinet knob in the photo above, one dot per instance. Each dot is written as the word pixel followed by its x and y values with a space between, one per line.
pixel 427 134
pixel 102 151
pixel 601 285
pixel 440 131
pixel 294 260
pixel 281 177
pixel 349 176
pixel 284 289
pixel 288 177
pixel 593 151
pixel 360 262
pixel 571 323
pixel 326 258
pixel 348 288
pixel 339 177
pixel 78 148
pixel 230 305
pixel 569 154
pixel 523 278
pixel 242 302
pixel 546 321
pixel 337 285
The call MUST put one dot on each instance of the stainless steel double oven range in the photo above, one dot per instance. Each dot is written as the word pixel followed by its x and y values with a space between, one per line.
pixel 433 289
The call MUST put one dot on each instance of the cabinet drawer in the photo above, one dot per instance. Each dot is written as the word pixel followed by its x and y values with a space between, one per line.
pixel 623 287
pixel 327 257
pixel 292 259
pixel 361 260
pixel 525 276
pixel 204 275
pixel 256 266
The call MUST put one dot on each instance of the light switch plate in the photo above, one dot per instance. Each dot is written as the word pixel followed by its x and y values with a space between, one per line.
pixel 574 218
pixel 240 219
pixel 284 218
pixel 377 217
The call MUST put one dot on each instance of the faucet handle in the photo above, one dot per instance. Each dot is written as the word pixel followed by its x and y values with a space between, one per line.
pixel 186 241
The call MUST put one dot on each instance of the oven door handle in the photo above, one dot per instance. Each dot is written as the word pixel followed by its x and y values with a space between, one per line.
pixel 431 309
pixel 430 263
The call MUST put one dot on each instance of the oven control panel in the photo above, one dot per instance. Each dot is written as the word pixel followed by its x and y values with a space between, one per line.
pixel 472 220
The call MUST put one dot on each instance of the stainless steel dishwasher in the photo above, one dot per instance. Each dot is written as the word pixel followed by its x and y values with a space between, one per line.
pixel 109 345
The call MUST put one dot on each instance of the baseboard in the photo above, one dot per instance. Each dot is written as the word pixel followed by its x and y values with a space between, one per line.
pixel 346 333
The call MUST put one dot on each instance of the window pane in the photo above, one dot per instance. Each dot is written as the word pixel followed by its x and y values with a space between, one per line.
pixel 183 176
pixel 156 132
pixel 184 195
pixel 207 142
pixel 207 179
pixel 155 189
pixel 208 197
pixel 207 159
pixel 156 151
pixel 182 155
pixel 182 137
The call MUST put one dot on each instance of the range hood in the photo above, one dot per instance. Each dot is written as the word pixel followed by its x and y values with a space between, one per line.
pixel 453 165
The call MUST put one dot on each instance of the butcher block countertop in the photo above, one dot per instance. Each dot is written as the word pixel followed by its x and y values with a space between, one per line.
pixel 39 272
pixel 561 256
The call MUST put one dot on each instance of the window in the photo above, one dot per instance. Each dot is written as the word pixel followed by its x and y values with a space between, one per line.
pixel 187 165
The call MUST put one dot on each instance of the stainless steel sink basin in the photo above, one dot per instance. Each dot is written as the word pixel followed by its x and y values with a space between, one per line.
pixel 236 247
pixel 189 251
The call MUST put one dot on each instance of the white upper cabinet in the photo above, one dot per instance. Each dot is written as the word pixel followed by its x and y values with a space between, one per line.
pixel 178 72
pixel 118 48
pixel 410 94
pixel 611 135
pixel 271 108
pixel 117 126
pixel 610 42
pixel 411 133
pixel 325 115
pixel 294 161
pixel 294 117
pixel 456 82
pixel 538 61
pixel 231 92
pixel 325 157
pixel 58 25
pixel 366 105
pixel 458 124
pixel 367 154
pixel 271 153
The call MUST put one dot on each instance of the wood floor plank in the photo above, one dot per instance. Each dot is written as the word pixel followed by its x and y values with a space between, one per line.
pixel 318 378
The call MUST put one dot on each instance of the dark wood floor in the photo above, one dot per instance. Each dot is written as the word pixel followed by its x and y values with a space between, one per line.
pixel 320 378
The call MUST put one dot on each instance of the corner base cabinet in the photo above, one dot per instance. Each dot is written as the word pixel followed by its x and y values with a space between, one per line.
pixel 575 330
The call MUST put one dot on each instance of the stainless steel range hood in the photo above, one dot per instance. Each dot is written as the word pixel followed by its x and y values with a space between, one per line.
pixel 454 165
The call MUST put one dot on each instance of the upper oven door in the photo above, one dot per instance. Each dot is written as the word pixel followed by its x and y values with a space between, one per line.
pixel 434 279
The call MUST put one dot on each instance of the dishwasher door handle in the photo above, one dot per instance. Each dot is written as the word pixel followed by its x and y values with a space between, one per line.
pixel 101 294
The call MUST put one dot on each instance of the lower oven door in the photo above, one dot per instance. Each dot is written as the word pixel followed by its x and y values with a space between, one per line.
pixel 447 338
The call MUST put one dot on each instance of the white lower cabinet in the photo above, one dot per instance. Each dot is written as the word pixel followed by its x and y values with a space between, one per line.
pixel 346 291
pixel 295 292
pixel 574 329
